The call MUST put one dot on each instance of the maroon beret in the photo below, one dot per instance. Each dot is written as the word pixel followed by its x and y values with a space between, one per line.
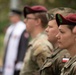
pixel 69 19
pixel 33 9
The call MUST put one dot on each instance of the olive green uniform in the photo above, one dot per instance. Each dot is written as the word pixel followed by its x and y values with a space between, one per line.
pixel 54 64
pixel 38 50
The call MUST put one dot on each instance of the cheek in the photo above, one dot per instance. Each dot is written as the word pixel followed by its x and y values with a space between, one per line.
pixel 62 42
pixel 51 31
pixel 29 27
pixel 65 42
pixel 52 34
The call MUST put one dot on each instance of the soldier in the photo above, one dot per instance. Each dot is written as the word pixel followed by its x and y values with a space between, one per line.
pixel 39 47
pixel 54 64
pixel 67 39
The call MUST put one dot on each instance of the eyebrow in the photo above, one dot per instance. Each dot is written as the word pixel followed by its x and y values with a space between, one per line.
pixel 60 29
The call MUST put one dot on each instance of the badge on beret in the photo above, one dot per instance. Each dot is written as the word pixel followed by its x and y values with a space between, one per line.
pixel 27 10
pixel 60 19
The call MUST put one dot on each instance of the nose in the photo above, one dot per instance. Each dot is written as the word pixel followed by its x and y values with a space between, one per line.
pixel 46 29
pixel 58 35
pixel 24 20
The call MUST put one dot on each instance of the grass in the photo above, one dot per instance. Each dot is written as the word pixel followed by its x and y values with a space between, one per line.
pixel 1 48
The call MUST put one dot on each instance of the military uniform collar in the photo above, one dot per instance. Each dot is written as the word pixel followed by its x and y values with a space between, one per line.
pixel 71 61
pixel 56 51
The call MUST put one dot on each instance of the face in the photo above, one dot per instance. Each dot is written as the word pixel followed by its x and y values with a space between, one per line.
pixel 30 22
pixel 66 38
pixel 13 18
pixel 52 30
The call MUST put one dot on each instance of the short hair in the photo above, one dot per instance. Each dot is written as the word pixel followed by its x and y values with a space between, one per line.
pixel 43 18
pixel 71 27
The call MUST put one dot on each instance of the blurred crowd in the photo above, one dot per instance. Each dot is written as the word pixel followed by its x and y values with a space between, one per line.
pixel 43 44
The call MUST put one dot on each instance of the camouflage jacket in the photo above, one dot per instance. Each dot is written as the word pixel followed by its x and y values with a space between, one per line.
pixel 54 64
pixel 70 67
pixel 38 50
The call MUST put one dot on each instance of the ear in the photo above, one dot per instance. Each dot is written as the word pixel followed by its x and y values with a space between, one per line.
pixel 38 22
pixel 74 30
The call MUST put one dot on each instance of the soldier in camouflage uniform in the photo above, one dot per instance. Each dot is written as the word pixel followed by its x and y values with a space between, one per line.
pixel 67 35
pixel 39 47
pixel 54 64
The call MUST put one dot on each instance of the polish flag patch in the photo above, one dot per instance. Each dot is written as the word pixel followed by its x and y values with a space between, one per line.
pixel 65 60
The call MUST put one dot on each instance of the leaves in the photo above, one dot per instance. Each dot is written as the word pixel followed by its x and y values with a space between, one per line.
pixel 5 7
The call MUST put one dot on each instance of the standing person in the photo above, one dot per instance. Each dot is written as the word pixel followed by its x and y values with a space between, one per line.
pixel 39 48
pixel 67 39
pixel 16 43
pixel 59 57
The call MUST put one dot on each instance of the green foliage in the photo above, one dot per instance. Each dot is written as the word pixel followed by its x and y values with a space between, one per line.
pixel 4 7
pixel 3 26
pixel 1 48
pixel 51 3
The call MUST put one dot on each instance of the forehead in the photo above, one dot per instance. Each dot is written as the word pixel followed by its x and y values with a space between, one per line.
pixel 52 22
pixel 64 27
pixel 32 15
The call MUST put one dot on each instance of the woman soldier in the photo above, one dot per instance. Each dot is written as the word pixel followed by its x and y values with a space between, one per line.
pixel 67 39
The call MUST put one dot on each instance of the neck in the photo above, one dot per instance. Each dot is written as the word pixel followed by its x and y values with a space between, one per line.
pixel 16 21
pixel 72 50
pixel 55 44
pixel 36 32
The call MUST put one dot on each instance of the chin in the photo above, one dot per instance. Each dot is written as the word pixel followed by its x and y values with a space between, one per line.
pixel 48 39
pixel 61 47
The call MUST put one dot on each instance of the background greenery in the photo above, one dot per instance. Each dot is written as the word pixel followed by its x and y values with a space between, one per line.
pixel 5 8
pixel 1 48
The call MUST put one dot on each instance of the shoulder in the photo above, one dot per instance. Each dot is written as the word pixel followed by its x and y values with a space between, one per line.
pixel 64 53
pixel 74 66
pixel 62 57
pixel 40 49
pixel 42 45
pixel 43 42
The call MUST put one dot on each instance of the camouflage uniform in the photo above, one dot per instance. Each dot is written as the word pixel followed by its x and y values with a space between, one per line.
pixel 55 63
pixel 70 67
pixel 38 50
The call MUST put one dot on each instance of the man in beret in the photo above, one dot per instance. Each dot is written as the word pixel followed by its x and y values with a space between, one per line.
pixel 59 57
pixel 67 25
pixel 39 48
pixel 16 43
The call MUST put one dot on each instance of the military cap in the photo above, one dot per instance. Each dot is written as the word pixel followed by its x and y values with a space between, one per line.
pixel 61 10
pixel 33 9
pixel 70 19
pixel 15 11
